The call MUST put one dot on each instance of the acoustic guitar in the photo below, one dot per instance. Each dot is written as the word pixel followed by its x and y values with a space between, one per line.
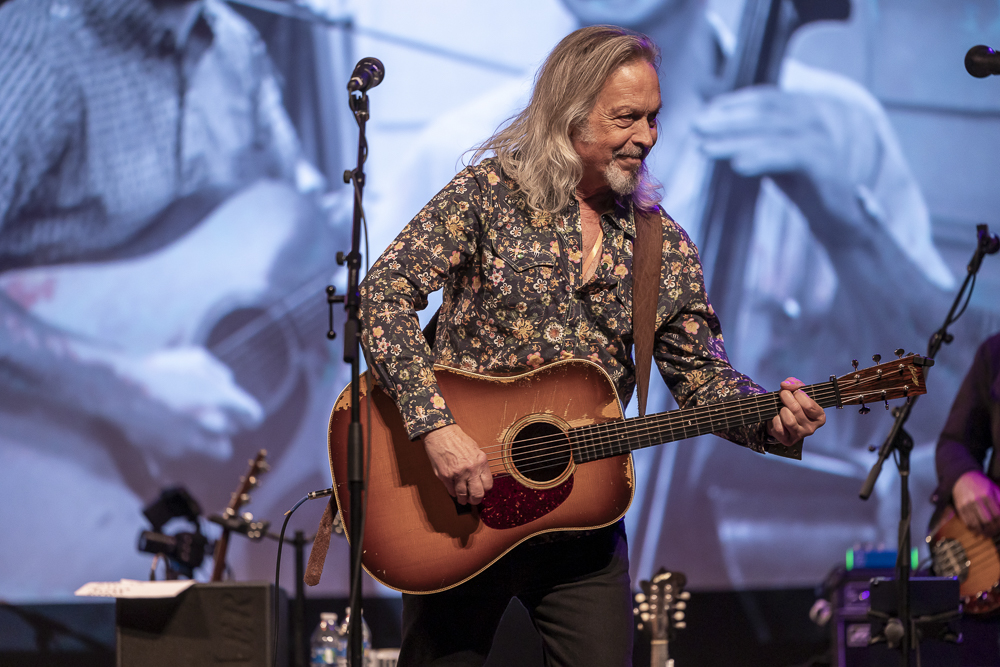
pixel 974 558
pixel 558 447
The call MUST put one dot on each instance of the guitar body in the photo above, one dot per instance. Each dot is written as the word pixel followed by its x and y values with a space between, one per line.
pixel 416 541
pixel 558 448
pixel 970 556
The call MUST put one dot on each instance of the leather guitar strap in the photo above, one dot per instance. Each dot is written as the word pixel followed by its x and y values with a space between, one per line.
pixel 647 260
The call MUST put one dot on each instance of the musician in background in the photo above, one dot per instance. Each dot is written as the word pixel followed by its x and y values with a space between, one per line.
pixel 841 263
pixel 533 250
pixel 123 124
pixel 971 432
pixel 969 483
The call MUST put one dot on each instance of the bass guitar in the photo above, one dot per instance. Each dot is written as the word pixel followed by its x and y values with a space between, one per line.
pixel 558 447
pixel 974 558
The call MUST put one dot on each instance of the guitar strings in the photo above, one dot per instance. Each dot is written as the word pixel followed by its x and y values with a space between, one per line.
pixel 614 433
pixel 611 433
pixel 715 412
pixel 984 545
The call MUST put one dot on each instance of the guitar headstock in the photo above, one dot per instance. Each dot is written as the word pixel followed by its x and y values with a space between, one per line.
pixel 249 481
pixel 660 605
pixel 231 520
pixel 902 377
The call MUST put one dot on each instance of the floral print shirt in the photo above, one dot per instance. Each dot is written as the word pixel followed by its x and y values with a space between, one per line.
pixel 514 299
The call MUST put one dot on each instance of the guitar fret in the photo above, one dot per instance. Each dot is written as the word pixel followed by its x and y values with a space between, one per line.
pixel 614 438
pixel 599 441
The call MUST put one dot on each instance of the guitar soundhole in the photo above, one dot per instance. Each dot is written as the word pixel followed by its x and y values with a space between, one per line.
pixel 541 452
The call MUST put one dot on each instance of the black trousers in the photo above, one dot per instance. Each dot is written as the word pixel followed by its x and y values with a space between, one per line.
pixel 576 590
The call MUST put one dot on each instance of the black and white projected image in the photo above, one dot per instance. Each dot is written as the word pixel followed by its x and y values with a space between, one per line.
pixel 164 245
pixel 171 204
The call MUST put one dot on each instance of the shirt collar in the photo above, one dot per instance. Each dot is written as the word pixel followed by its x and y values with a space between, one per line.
pixel 622 216
pixel 131 23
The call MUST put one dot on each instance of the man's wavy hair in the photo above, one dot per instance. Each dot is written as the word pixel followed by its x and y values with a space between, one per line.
pixel 534 147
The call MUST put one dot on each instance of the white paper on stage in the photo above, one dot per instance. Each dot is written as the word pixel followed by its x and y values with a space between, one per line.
pixel 132 588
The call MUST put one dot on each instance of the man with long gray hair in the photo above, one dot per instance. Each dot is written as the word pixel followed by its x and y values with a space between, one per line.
pixel 533 248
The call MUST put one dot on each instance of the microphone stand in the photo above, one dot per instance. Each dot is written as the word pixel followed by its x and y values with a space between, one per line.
pixel 352 341
pixel 900 441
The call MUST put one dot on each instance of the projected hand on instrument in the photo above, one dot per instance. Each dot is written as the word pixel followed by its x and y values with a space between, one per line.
pixel 800 416
pixel 459 463
pixel 818 149
pixel 977 499
pixel 184 399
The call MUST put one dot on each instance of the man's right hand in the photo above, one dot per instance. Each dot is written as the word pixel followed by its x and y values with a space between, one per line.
pixel 977 500
pixel 459 463
pixel 181 400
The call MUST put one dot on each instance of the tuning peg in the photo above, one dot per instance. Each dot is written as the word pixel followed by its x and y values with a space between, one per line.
pixel 854 362
pixel 680 604
pixel 899 353
pixel 640 597
pixel 864 409
pixel 264 466
pixel 876 358
pixel 885 397
pixel 685 595
pixel 244 498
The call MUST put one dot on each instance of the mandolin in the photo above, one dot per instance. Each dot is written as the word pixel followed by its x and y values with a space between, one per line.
pixel 659 610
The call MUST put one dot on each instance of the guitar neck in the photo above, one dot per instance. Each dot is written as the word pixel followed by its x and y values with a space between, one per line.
pixel 600 441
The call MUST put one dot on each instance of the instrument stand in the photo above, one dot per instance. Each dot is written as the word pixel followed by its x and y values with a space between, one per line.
pixel 899 631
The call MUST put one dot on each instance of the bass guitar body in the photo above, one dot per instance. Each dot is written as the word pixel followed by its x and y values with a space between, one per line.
pixel 417 539
pixel 973 557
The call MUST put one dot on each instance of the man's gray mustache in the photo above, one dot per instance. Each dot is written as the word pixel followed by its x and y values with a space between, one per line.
pixel 633 152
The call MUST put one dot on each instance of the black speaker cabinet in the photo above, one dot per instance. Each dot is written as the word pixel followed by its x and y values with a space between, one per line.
pixel 853 628
pixel 225 623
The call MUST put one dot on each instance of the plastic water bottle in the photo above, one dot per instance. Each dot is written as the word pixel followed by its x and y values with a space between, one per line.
pixel 366 639
pixel 327 646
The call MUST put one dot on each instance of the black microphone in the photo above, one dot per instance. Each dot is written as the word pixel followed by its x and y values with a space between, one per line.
pixel 367 74
pixel 990 243
pixel 981 61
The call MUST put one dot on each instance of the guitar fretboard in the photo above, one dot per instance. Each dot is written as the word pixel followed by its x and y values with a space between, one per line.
pixel 600 441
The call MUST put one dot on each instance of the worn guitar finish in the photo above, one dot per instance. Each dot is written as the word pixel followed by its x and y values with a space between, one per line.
pixel 974 558
pixel 558 448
